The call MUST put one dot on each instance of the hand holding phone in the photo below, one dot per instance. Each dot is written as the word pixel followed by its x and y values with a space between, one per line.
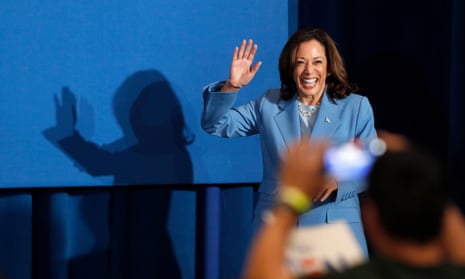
pixel 352 160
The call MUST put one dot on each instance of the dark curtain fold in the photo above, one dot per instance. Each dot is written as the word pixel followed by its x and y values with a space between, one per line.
pixel 150 231
pixel 113 233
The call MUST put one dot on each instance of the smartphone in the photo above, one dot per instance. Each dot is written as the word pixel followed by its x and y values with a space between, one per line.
pixel 352 160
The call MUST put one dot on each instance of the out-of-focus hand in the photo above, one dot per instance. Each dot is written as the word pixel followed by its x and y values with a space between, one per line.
pixel 453 235
pixel 241 71
pixel 302 167
pixel 393 141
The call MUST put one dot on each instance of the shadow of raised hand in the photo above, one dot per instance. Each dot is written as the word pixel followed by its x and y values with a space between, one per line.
pixel 65 116
pixel 85 118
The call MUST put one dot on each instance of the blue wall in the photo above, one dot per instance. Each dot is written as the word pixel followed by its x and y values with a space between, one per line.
pixel 87 207
pixel 106 52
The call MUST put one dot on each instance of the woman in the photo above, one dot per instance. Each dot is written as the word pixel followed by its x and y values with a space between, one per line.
pixel 315 99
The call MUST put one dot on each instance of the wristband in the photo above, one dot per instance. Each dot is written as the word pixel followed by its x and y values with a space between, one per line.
pixel 294 199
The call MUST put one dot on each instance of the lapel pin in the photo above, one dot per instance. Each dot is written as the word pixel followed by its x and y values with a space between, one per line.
pixel 327 120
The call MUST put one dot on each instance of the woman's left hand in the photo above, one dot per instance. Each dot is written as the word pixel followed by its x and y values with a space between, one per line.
pixel 326 191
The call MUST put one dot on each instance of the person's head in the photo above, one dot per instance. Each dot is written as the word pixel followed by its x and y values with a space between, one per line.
pixel 407 197
pixel 310 61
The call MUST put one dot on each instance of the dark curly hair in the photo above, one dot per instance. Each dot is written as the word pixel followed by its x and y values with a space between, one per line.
pixel 337 82
pixel 418 175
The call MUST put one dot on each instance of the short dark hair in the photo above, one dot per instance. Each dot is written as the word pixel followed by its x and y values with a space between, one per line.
pixel 408 189
pixel 337 82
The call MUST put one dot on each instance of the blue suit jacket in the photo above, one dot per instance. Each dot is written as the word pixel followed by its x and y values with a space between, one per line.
pixel 277 122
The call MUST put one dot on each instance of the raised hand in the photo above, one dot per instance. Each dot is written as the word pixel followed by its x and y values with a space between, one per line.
pixel 453 234
pixel 242 71
pixel 302 168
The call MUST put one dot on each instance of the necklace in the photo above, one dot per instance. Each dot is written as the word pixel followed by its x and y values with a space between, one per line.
pixel 307 111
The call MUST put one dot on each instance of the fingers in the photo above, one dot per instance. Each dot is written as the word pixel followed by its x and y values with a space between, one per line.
pixel 67 97
pixel 247 50
pixel 56 100
pixel 241 50
pixel 321 196
pixel 328 188
pixel 324 195
pixel 251 50
pixel 256 67
pixel 235 53
pixel 393 141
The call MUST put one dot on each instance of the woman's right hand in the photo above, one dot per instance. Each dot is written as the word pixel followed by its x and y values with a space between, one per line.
pixel 242 71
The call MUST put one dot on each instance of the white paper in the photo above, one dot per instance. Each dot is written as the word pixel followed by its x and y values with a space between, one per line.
pixel 316 250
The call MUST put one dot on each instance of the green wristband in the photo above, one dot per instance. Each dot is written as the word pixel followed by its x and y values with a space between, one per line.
pixel 295 199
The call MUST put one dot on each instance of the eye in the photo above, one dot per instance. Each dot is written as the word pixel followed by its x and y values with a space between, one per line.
pixel 300 61
pixel 318 62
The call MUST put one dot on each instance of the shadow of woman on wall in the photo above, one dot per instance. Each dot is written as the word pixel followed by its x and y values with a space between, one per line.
pixel 151 158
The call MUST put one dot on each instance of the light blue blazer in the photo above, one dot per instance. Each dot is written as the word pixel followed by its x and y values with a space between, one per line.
pixel 277 121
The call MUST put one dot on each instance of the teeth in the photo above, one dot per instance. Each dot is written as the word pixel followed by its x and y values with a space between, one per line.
pixel 311 81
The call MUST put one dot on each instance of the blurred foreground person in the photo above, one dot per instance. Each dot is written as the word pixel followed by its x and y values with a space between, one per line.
pixel 414 230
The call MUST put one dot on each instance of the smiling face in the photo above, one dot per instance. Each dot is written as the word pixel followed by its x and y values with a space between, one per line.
pixel 310 71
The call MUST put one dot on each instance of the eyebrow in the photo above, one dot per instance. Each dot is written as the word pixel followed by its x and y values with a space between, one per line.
pixel 314 58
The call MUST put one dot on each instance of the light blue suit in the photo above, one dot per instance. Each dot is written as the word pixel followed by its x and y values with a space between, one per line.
pixel 277 122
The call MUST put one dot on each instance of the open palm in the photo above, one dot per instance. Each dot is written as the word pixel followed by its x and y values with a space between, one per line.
pixel 242 71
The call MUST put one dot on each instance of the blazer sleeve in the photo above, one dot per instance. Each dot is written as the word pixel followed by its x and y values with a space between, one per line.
pixel 366 121
pixel 220 118
pixel 365 131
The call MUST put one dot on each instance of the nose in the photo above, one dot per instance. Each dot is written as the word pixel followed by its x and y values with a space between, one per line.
pixel 308 67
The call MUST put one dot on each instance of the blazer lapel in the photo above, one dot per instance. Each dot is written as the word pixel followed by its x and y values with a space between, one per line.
pixel 287 121
pixel 326 123
pixel 327 120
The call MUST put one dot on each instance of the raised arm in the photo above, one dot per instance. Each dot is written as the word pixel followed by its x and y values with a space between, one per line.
pixel 302 176
pixel 453 235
